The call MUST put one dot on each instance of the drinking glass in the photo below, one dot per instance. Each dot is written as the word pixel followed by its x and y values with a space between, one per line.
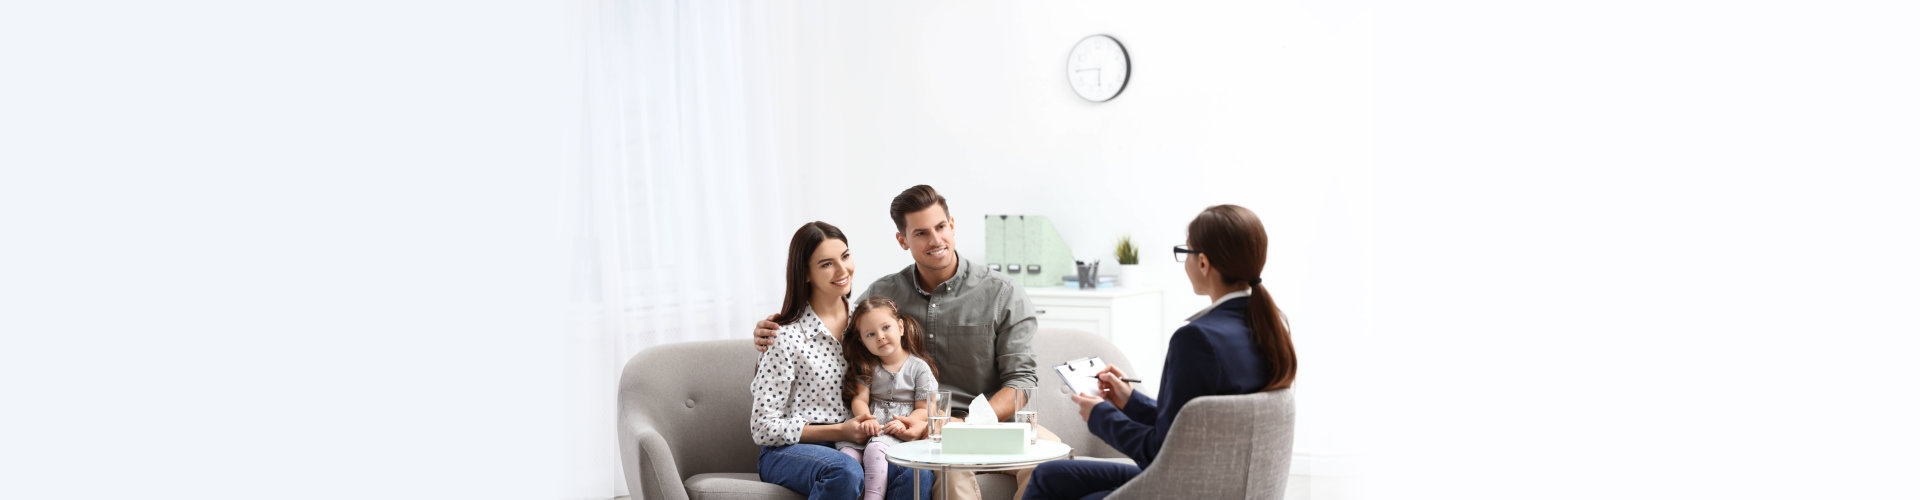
pixel 1024 412
pixel 939 410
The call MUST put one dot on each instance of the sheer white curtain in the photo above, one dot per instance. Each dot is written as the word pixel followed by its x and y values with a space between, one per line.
pixel 683 198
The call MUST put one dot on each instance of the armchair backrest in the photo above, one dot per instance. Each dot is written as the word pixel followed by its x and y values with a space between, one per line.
pixel 697 396
pixel 1058 412
pixel 1223 447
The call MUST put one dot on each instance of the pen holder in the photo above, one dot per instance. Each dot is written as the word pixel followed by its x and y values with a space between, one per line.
pixel 1089 273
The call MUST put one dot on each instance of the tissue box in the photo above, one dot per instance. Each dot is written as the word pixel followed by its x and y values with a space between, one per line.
pixel 1000 438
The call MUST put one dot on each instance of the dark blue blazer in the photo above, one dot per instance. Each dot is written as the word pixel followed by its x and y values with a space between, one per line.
pixel 1213 355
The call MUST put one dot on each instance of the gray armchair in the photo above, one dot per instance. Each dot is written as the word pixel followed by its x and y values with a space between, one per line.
pixel 1222 447
pixel 683 411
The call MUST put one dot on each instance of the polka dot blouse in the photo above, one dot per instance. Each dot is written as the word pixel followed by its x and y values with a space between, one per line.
pixel 798 383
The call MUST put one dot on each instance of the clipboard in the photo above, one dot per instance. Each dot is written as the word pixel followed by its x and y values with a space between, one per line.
pixel 1080 374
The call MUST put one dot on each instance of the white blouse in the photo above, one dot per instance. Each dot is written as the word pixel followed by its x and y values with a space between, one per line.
pixel 798 382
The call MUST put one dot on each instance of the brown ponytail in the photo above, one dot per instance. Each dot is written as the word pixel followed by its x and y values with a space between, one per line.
pixel 1272 335
pixel 1235 243
pixel 860 362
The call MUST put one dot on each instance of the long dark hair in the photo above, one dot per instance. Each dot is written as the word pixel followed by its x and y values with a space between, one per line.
pixel 860 362
pixel 1235 243
pixel 805 241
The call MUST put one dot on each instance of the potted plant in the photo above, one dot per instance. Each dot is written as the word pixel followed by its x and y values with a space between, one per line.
pixel 1129 257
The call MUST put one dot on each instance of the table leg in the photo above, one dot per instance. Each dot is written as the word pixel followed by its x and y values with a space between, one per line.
pixel 916 483
pixel 945 475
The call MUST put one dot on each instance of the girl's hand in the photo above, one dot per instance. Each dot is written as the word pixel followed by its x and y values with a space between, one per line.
pixel 871 426
pixel 916 429
pixel 1113 389
pixel 1086 405
pixel 897 428
pixel 855 431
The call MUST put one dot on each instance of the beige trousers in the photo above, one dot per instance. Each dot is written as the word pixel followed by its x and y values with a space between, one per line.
pixel 961 485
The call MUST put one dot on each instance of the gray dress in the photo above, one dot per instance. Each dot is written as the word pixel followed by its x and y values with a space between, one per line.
pixel 893 394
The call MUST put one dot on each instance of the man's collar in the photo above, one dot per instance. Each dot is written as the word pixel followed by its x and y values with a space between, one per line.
pixel 961 267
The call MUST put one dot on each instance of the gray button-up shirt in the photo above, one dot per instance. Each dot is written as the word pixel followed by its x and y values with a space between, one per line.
pixel 979 327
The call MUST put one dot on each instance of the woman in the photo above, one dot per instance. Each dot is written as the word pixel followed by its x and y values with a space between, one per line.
pixel 1238 345
pixel 797 410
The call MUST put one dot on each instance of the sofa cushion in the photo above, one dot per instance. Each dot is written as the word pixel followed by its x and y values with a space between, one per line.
pixel 735 486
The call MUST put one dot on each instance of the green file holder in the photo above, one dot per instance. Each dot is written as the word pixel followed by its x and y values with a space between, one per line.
pixel 996 243
pixel 1028 249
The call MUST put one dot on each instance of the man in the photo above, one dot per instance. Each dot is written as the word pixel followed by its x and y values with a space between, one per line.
pixel 979 324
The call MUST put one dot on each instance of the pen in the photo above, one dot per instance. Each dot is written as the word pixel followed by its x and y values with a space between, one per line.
pixel 1127 380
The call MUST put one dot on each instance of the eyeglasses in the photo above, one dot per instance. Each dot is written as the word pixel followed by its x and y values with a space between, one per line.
pixel 1180 253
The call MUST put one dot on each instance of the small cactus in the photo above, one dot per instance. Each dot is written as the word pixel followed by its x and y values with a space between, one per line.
pixel 1126 252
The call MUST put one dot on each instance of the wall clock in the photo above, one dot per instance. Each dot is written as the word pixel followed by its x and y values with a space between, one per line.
pixel 1098 68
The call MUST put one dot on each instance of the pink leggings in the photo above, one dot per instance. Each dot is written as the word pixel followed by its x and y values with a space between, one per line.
pixel 875 464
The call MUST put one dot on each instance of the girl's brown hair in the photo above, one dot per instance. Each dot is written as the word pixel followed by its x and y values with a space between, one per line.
pixel 1235 244
pixel 860 362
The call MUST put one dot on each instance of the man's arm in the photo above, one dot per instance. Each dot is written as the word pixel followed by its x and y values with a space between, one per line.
pixel 1002 401
pixel 1013 350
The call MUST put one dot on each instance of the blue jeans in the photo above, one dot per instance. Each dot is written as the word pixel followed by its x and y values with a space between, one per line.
pixel 1078 479
pixel 818 471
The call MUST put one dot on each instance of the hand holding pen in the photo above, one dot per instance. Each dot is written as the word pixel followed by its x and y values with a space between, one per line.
pixel 1114 386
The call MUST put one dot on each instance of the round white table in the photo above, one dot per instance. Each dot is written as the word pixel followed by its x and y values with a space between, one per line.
pixel 926 455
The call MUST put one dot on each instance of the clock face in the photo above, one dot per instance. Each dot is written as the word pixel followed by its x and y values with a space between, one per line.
pixel 1097 68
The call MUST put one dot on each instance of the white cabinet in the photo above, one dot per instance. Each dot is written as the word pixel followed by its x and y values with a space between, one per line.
pixel 1128 317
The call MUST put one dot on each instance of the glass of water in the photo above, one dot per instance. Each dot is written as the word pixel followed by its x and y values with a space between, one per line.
pixel 939 411
pixel 1023 412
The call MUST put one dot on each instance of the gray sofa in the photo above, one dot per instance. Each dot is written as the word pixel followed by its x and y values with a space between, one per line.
pixel 683 412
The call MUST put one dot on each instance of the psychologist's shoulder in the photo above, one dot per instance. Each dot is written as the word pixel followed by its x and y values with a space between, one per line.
pixel 1196 332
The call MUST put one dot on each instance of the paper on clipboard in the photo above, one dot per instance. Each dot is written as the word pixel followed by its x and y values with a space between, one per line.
pixel 1080 374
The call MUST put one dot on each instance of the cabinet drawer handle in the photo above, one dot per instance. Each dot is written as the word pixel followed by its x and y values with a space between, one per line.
pixel 1040 311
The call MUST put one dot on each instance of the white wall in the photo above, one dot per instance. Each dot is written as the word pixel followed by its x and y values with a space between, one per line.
pixel 1262 105
pixel 1653 249
pixel 283 250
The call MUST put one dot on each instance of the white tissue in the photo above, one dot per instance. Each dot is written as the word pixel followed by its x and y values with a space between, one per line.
pixel 981 411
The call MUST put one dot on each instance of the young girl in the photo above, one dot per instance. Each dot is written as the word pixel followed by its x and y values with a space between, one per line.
pixel 887 384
